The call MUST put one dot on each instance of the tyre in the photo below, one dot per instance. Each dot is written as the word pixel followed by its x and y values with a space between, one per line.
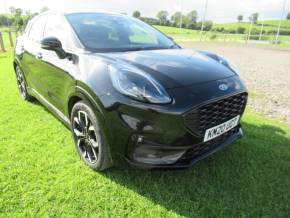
pixel 89 137
pixel 22 87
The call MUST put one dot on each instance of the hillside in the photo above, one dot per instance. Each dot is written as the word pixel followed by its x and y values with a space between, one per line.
pixel 270 26
pixel 284 23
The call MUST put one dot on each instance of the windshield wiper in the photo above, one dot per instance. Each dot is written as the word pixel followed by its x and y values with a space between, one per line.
pixel 148 48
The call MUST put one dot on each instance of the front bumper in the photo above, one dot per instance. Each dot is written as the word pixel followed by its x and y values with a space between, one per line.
pixel 186 160
pixel 164 131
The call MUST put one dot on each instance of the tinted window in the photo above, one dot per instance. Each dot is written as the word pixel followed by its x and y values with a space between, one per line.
pixel 37 28
pixel 112 32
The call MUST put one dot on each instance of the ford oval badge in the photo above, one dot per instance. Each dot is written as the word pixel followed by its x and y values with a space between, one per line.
pixel 223 87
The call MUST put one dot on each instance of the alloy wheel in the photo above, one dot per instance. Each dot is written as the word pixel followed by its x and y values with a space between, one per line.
pixel 21 83
pixel 86 137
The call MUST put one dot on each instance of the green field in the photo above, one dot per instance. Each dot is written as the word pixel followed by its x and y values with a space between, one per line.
pixel 275 23
pixel 234 26
pixel 194 35
pixel 42 176
pixel 268 25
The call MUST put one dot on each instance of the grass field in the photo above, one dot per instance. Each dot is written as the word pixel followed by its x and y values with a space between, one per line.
pixel 268 25
pixel 194 35
pixel 275 23
pixel 42 176
pixel 6 41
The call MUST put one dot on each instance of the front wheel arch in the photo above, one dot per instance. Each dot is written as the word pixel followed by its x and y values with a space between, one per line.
pixel 97 107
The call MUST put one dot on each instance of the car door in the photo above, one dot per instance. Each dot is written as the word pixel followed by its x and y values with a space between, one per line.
pixel 57 74
pixel 31 53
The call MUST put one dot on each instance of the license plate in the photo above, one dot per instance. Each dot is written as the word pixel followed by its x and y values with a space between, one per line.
pixel 221 129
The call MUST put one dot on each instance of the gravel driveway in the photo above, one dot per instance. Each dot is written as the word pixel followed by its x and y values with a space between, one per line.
pixel 266 72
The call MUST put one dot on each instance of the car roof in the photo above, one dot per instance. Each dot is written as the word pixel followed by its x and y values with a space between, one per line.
pixel 81 12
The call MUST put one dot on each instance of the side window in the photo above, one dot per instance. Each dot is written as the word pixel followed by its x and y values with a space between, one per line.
pixel 37 28
pixel 56 28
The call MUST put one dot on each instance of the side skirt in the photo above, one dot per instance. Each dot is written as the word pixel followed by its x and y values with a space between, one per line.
pixel 51 107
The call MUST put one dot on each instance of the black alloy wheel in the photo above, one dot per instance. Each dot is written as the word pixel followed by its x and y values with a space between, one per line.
pixel 88 137
pixel 22 84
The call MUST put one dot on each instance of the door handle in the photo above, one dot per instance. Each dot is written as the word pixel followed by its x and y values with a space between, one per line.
pixel 38 55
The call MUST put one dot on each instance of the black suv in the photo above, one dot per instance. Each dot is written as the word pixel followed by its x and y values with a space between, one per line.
pixel 128 92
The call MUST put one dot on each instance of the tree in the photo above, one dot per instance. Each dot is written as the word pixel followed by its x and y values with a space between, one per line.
pixel 288 16
pixel 207 25
pixel 17 15
pixel 19 22
pixel 241 30
pixel 136 14
pixel 149 20
pixel 28 12
pixel 176 19
pixel 4 20
pixel 254 17
pixel 240 18
pixel 12 10
pixel 162 16
pixel 17 12
pixel 190 19
pixel 43 9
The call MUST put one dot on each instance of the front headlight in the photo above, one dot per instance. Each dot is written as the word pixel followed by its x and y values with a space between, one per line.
pixel 138 85
pixel 228 64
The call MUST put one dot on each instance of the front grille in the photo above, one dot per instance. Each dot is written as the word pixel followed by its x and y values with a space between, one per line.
pixel 209 115
pixel 205 147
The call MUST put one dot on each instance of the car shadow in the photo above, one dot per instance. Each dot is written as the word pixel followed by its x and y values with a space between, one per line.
pixel 246 178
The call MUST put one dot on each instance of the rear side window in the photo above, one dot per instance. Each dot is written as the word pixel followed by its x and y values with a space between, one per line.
pixel 37 28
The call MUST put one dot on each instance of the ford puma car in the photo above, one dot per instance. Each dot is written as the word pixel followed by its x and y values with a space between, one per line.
pixel 129 93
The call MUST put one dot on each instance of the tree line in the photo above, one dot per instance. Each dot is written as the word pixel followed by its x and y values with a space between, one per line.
pixel 18 18
pixel 190 21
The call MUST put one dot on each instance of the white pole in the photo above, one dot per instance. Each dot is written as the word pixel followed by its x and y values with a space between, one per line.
pixel 261 32
pixel 282 16
pixel 203 19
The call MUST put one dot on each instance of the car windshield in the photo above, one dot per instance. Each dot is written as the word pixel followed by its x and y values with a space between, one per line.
pixel 106 32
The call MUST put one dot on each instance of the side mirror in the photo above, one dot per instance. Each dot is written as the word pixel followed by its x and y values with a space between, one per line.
pixel 53 44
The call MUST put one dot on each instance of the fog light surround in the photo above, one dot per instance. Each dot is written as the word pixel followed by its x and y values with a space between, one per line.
pixel 156 156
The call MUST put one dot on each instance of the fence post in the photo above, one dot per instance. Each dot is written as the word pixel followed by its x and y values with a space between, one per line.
pixel 1 43
pixel 11 39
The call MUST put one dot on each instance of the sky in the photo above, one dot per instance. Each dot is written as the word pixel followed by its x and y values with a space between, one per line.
pixel 218 11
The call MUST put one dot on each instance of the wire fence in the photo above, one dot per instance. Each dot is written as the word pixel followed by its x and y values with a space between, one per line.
pixel 244 38
pixel 211 36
